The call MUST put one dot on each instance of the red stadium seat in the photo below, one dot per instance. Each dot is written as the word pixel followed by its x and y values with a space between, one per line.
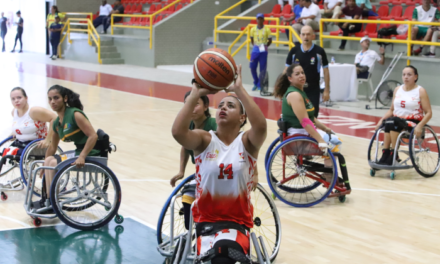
pixel 369 29
pixel 152 9
pixel 385 2
pixel 407 15
pixel 396 12
pixel 410 2
pixel 158 19
pixel 128 10
pixel 321 6
pixel 275 10
pixel 374 35
pixel 170 10
pixel 382 12
pixel 287 12
pixel 179 6
pixel 138 9
pixel 132 20
pixel 336 33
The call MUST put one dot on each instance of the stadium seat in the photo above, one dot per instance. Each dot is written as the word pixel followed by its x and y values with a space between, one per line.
pixel 321 6
pixel 179 6
pixel 131 22
pixel 152 9
pixel 386 2
pixel 407 15
pixel 138 9
pixel 374 35
pixel 396 12
pixel 275 10
pixel 170 10
pixel 382 12
pixel 336 33
pixel 274 30
pixel 287 12
pixel 128 10
pixel 369 29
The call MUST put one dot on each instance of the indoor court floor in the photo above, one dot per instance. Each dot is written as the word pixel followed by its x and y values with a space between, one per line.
pixel 382 220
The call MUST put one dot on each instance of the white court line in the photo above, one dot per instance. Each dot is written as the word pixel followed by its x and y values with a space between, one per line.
pixel 15 221
pixel 142 222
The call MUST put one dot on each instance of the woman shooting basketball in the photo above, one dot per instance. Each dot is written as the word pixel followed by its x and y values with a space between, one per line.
pixel 225 162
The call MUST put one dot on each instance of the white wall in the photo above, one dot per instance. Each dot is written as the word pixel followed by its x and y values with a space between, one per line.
pixel 34 16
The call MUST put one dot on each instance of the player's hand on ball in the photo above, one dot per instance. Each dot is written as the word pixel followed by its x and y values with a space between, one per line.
pixel 237 84
pixel 202 91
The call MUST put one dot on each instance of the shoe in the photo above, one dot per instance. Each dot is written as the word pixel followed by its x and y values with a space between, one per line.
pixel 385 156
pixel 341 48
pixel 429 55
pixel 417 51
pixel 41 204
pixel 54 57
pixel 254 88
pixel 20 51
pixel 258 88
pixel 389 161
pixel 12 51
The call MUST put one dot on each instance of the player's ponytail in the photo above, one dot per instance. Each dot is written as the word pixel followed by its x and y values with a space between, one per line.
pixel 72 97
pixel 283 83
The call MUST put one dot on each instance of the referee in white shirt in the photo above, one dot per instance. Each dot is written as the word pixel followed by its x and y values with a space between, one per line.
pixel 365 59
pixel 104 11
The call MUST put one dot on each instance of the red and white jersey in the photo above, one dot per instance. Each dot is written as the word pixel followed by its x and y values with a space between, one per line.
pixel 26 129
pixel 224 183
pixel 407 104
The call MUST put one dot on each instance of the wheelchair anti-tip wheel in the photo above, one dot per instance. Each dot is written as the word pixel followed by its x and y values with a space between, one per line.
pixel 298 174
pixel 424 152
pixel 85 198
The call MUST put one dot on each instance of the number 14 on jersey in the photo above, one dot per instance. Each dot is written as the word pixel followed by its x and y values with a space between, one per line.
pixel 225 171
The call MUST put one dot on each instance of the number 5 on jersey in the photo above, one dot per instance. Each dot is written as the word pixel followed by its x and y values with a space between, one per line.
pixel 227 170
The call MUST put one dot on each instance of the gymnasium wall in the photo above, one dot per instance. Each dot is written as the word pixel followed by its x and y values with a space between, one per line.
pixel 80 5
pixel 178 40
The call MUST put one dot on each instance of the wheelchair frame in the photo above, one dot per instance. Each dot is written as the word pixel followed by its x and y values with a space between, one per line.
pixel 397 165
pixel 189 252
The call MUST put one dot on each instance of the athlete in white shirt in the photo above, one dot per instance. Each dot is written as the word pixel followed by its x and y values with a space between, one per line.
pixel 366 58
pixel 410 109
pixel 225 163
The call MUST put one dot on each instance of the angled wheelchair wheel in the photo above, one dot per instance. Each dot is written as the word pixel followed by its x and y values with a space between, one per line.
pixel 9 173
pixel 298 174
pixel 30 154
pixel 85 198
pixel 266 222
pixel 270 149
pixel 376 145
pixel 424 152
pixel 164 222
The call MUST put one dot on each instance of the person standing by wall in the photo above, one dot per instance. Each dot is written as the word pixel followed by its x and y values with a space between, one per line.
pixel 55 36
pixel 51 19
pixel 19 32
pixel 4 29
pixel 311 57
pixel 261 40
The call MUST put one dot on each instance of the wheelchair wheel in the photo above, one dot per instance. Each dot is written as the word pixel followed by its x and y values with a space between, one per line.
pixel 266 222
pixel 9 173
pixel 164 222
pixel 424 152
pixel 30 154
pixel 298 174
pixel 269 150
pixel 375 147
pixel 86 198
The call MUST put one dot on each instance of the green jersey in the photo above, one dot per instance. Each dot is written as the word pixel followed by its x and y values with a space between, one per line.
pixel 69 131
pixel 210 124
pixel 287 111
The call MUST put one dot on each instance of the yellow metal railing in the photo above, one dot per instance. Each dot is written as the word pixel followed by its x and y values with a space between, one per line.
pixel 248 39
pixel 150 18
pixel 221 16
pixel 92 34
pixel 408 41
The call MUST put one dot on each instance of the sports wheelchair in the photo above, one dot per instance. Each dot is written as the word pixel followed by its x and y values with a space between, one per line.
pixel 83 198
pixel 299 174
pixel 15 167
pixel 423 152
pixel 171 231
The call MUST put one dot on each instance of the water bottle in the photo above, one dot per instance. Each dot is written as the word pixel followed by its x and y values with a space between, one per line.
pixel 333 60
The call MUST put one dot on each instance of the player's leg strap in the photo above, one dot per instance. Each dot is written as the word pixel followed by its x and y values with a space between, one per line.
pixel 207 229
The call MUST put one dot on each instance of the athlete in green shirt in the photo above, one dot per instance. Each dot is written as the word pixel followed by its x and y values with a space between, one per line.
pixel 71 125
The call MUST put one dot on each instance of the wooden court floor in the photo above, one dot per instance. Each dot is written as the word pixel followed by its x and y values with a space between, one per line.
pixel 382 221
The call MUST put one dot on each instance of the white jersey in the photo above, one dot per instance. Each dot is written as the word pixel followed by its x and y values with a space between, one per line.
pixel 407 104
pixel 224 182
pixel 26 129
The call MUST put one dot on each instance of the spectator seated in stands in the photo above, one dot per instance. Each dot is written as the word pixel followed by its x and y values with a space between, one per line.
pixel 118 8
pixel 365 59
pixel 367 8
pixel 310 16
pixel 296 14
pixel 332 8
pixel 425 13
pixel 283 2
pixel 104 11
pixel 351 11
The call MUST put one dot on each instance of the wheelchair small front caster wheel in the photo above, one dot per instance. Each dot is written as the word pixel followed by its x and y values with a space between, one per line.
pixel 372 172
pixel 4 197
pixel 119 219
pixel 367 107
pixel 392 175
pixel 341 198
pixel 119 229
pixel 37 222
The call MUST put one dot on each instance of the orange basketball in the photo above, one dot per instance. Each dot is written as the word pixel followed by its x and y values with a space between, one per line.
pixel 214 69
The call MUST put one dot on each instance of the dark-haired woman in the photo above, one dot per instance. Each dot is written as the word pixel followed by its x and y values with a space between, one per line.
pixel 298 111
pixel 225 162
pixel 71 125
pixel 410 109
pixel 29 122
pixel 200 119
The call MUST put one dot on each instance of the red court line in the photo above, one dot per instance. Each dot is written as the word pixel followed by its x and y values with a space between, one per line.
pixel 348 123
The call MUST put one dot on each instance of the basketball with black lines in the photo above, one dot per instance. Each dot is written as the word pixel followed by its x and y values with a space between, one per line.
pixel 214 69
